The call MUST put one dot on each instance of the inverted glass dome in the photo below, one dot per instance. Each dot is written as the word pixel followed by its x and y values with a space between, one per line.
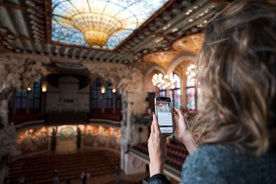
pixel 99 23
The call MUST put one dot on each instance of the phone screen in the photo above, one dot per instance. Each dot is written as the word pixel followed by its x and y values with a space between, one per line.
pixel 163 111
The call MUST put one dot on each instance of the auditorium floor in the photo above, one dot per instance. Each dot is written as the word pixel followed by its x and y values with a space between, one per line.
pixel 110 179
pixel 38 168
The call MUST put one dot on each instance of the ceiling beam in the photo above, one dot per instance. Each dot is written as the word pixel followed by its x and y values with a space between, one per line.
pixel 221 2
pixel 13 6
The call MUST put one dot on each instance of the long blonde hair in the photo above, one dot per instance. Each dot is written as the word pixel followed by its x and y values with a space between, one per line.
pixel 237 73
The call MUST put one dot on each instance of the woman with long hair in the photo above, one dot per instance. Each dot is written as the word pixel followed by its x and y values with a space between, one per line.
pixel 232 138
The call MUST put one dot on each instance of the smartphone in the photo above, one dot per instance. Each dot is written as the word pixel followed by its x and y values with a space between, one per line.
pixel 163 111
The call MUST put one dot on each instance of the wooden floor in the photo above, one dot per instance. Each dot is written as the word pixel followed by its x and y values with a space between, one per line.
pixel 99 164
pixel 110 179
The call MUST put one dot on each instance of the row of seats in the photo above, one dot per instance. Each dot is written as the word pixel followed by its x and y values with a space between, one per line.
pixel 39 168
pixel 176 153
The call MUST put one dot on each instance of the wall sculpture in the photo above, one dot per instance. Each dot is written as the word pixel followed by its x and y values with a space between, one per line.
pixel 33 140
pixel 100 136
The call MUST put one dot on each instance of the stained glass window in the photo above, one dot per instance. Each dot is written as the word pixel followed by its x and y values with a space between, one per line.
pixel 191 91
pixel 32 98
pixel 99 100
pixel 95 96
pixel 129 15
pixel 35 96
pixel 175 92
pixel 21 97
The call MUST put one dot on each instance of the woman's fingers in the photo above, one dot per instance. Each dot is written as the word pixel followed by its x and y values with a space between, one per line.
pixel 177 110
pixel 180 124
pixel 155 148
pixel 154 125
pixel 176 113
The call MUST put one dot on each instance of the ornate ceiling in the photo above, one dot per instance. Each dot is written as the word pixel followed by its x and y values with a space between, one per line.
pixel 26 28
pixel 99 23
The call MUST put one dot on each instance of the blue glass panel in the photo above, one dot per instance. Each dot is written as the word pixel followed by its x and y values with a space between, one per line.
pixel 23 104
pixel 18 104
pixel 99 104
pixel 36 103
pixel 94 104
pixel 31 106
pixel 21 93
pixel 129 13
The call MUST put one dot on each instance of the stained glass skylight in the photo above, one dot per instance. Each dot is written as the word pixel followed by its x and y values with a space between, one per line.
pixel 78 22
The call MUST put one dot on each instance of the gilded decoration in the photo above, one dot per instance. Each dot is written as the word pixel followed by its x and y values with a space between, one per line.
pixel 38 139
pixel 101 136
pixel 33 140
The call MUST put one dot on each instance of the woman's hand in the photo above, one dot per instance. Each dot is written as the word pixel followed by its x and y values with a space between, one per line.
pixel 181 131
pixel 156 148
pixel 180 124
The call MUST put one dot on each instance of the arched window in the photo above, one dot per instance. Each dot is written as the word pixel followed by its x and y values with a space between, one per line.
pixel 27 100
pixel 103 98
pixel 174 92
pixel 35 96
pixel 191 93
pixel 20 99
pixel 96 97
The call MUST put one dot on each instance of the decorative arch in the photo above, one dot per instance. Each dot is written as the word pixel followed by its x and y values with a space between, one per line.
pixel 179 59
pixel 151 69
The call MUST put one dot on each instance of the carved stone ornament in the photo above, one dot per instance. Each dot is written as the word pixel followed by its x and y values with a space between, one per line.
pixel 124 78
pixel 8 141
pixel 19 71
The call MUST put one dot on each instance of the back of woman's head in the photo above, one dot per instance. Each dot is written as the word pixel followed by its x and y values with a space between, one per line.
pixel 237 73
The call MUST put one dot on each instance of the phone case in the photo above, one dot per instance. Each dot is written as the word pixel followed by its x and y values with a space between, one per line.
pixel 163 111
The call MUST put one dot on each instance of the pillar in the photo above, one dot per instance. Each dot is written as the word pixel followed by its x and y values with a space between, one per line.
pixel 129 163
